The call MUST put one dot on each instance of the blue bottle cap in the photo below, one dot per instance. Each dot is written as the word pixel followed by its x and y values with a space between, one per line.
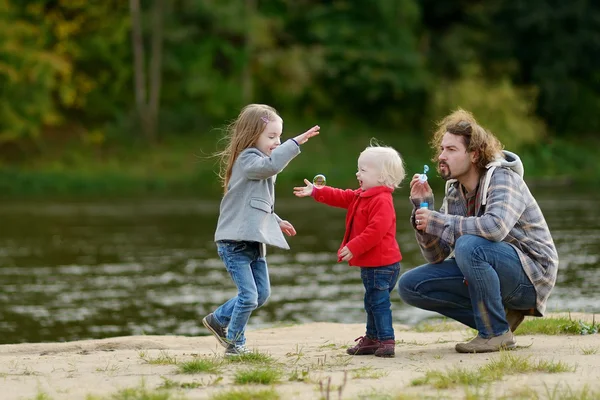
pixel 424 204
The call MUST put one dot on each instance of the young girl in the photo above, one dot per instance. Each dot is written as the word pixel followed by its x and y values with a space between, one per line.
pixel 247 222
pixel 370 240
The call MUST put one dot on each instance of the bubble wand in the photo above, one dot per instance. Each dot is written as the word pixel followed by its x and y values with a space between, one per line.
pixel 423 176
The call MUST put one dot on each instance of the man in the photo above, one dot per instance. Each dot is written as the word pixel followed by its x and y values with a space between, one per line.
pixel 504 261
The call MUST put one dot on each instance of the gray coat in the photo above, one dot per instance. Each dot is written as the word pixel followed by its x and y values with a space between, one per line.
pixel 247 209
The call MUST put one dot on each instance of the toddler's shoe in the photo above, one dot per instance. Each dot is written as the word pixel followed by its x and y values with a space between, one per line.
pixel 365 346
pixel 387 348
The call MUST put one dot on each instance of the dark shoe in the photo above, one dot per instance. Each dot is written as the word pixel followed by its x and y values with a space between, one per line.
pixel 210 322
pixel 236 350
pixel 514 318
pixel 481 345
pixel 386 348
pixel 365 346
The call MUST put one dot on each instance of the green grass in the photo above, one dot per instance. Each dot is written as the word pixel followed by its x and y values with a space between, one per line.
pixel 182 164
pixel 171 384
pixel 263 375
pixel 139 393
pixel 238 394
pixel 496 369
pixel 254 357
pixel 556 326
pixel 200 365
pixel 443 325
pixel 163 358
pixel 368 372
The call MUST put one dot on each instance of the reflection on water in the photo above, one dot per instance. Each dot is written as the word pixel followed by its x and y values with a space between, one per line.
pixel 75 270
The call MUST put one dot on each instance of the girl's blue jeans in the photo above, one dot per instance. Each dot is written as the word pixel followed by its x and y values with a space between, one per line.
pixel 474 287
pixel 251 276
pixel 379 283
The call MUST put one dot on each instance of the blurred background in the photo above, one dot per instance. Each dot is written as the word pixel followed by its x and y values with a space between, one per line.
pixel 110 111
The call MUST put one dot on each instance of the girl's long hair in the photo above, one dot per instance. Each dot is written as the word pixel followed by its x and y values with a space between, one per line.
pixel 242 133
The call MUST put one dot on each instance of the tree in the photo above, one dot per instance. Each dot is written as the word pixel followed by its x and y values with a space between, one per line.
pixel 147 107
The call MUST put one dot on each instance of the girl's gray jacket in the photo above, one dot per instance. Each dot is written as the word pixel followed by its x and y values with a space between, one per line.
pixel 247 210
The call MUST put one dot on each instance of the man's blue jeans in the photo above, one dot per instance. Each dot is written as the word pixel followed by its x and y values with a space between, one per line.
pixel 251 276
pixel 379 283
pixel 474 287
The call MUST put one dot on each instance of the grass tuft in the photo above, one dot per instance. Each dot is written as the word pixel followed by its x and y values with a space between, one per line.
pixel 262 375
pixel 201 365
pixel 557 326
pixel 237 394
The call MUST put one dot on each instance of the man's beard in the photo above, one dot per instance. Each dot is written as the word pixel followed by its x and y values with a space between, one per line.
pixel 447 175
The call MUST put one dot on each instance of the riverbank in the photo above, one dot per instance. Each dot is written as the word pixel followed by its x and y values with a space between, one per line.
pixel 183 165
pixel 310 362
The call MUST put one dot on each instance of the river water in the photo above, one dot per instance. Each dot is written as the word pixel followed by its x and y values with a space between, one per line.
pixel 99 268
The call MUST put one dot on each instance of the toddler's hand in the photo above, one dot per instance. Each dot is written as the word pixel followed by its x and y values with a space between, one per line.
pixel 304 191
pixel 314 131
pixel 345 254
pixel 287 228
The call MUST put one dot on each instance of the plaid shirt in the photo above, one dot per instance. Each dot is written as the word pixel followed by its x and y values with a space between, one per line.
pixel 511 215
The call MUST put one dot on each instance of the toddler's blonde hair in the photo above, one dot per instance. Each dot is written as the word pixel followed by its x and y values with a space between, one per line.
pixel 390 164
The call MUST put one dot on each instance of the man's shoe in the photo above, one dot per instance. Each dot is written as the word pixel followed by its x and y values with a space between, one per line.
pixel 236 350
pixel 386 348
pixel 514 318
pixel 365 346
pixel 481 345
pixel 210 322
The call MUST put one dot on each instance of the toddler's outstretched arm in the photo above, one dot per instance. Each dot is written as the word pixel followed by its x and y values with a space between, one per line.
pixel 304 191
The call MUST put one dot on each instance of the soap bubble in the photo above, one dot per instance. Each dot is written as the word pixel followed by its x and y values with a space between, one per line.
pixel 423 176
pixel 319 180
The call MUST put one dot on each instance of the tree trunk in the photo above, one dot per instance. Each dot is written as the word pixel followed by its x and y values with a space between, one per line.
pixel 138 58
pixel 147 107
pixel 247 80
pixel 155 67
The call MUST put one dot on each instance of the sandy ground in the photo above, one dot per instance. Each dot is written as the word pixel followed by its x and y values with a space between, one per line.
pixel 103 367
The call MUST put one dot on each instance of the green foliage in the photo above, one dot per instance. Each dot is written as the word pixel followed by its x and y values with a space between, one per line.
pixel 497 105
pixel 385 69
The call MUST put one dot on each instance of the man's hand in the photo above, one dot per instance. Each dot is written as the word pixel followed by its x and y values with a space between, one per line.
pixel 287 228
pixel 304 191
pixel 418 189
pixel 422 218
pixel 314 131
pixel 345 254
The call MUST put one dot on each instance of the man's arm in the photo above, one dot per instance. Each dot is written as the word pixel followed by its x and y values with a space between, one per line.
pixel 433 248
pixel 504 207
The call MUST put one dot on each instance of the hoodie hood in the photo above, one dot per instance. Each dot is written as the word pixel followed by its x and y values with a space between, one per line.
pixel 507 159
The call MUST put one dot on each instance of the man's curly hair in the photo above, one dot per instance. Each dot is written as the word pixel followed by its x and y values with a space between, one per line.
pixel 475 137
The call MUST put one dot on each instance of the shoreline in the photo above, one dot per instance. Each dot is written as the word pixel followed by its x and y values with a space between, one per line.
pixel 102 367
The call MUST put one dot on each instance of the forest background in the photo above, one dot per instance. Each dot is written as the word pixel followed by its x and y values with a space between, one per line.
pixel 118 97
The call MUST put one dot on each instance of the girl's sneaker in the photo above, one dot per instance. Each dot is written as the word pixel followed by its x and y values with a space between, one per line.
pixel 210 322
pixel 236 350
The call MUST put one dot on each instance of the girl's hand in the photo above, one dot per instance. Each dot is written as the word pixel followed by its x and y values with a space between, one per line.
pixel 304 191
pixel 287 228
pixel 314 131
pixel 418 189
pixel 345 254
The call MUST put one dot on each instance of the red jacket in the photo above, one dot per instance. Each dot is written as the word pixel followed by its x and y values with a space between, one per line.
pixel 370 223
